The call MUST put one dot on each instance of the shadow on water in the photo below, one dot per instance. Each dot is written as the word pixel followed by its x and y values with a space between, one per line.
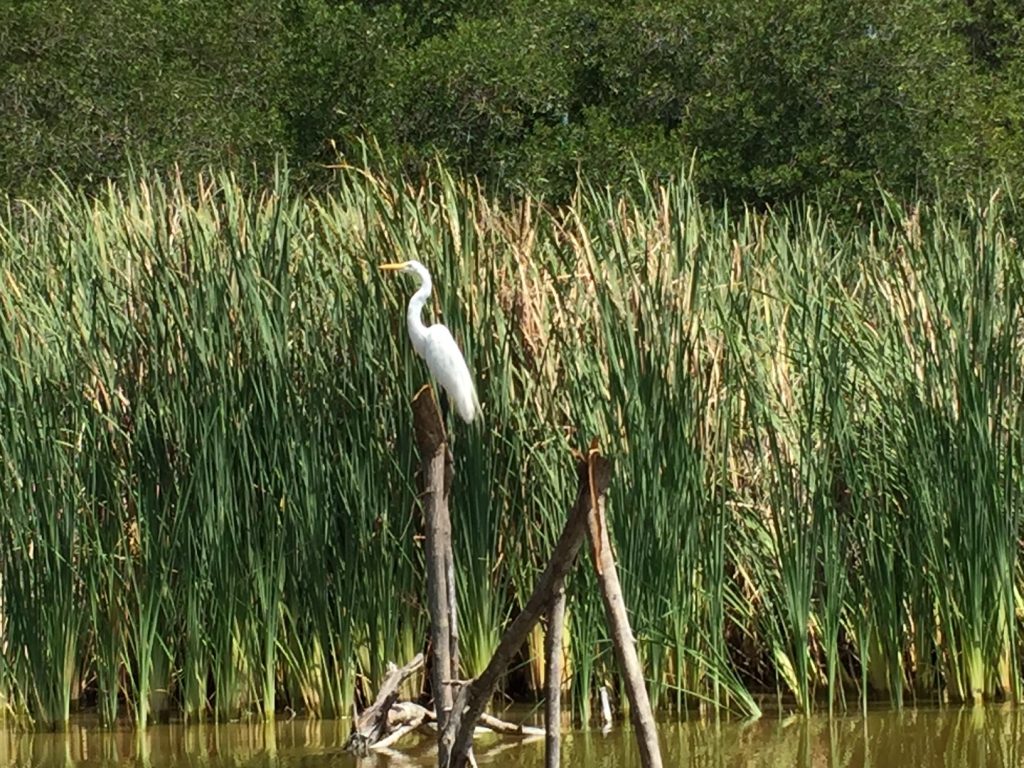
pixel 982 736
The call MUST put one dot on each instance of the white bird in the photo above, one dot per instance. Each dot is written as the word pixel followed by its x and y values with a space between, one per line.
pixel 437 347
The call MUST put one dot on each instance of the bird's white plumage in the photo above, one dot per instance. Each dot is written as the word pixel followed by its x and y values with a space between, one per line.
pixel 446 363
pixel 436 345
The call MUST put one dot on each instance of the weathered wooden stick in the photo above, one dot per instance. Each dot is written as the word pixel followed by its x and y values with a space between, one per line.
pixel 606 708
pixel 453 605
pixel 492 723
pixel 553 680
pixel 396 734
pixel 623 642
pixel 386 721
pixel 369 728
pixel 457 734
pixel 404 712
pixel 433 448
pixel 404 717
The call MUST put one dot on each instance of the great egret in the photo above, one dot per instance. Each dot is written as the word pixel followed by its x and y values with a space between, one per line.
pixel 436 345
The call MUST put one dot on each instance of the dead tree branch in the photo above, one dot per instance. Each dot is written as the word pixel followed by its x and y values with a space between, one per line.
pixel 457 734
pixel 623 642
pixel 553 680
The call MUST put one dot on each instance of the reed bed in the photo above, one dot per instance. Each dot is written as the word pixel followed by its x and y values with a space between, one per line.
pixel 209 500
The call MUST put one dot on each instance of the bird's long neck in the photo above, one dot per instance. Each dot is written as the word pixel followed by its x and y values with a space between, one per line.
pixel 414 315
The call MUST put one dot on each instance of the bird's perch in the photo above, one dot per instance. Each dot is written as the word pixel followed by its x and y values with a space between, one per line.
pixel 458 713
pixel 436 482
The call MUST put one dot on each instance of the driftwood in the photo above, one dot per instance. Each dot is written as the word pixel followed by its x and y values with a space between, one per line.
pixel 370 728
pixel 384 723
pixel 404 717
pixel 492 723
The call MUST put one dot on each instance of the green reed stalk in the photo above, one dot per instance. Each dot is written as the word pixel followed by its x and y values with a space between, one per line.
pixel 210 471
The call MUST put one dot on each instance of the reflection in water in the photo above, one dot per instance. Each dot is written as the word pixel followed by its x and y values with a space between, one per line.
pixel 981 736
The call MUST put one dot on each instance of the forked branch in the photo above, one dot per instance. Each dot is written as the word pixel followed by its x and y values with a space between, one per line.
pixel 594 474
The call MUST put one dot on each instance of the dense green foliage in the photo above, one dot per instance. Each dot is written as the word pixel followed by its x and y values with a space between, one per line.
pixel 208 470
pixel 776 98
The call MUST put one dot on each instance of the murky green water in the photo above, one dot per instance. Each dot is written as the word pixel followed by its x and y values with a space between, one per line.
pixel 989 736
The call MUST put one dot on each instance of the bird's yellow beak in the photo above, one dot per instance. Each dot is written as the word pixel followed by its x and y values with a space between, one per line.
pixel 393 267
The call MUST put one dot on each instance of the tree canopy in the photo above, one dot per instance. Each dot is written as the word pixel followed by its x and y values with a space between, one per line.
pixel 775 99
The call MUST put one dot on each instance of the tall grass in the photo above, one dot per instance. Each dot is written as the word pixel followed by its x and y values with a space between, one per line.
pixel 205 443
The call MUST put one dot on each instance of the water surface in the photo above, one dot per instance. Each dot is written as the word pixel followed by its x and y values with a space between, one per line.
pixel 988 736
